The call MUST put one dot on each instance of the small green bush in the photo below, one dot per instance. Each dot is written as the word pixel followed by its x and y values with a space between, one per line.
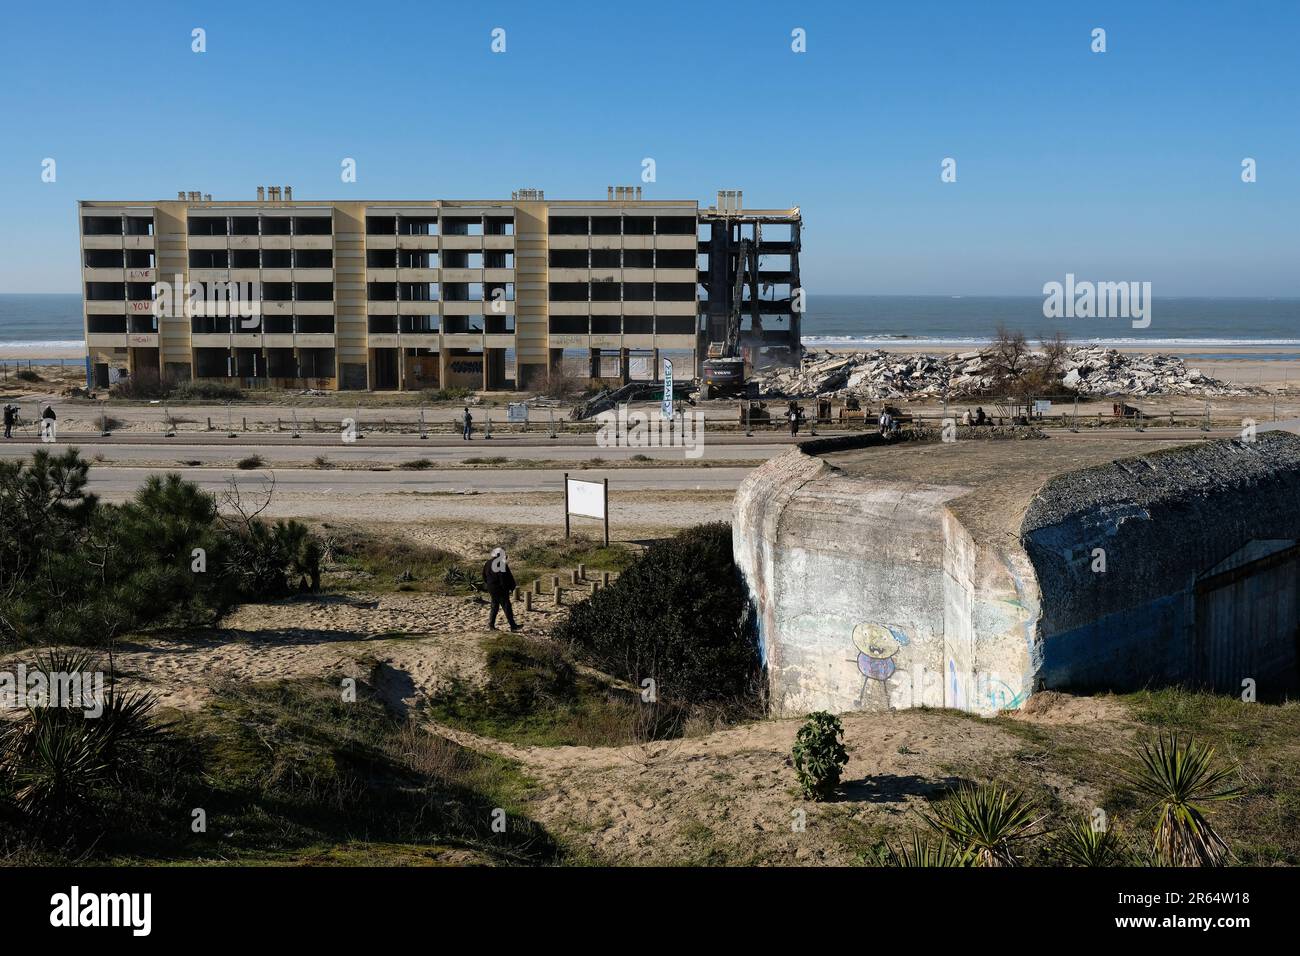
pixel 454 394
pixel 144 384
pixel 250 463
pixel 819 755
pixel 416 464
pixel 28 375
pixel 679 615
pixel 207 392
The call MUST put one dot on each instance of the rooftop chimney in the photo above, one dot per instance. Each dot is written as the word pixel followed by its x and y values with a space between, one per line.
pixel 288 192
pixel 261 194
pixel 180 194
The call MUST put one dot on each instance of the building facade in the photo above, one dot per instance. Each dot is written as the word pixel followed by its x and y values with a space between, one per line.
pixel 413 295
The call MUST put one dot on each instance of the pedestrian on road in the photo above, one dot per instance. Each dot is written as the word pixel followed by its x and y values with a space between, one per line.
pixel 469 425
pixel 11 416
pixel 793 415
pixel 500 583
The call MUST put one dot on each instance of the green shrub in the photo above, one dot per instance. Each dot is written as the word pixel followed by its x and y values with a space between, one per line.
pixel 74 570
pixel 454 394
pixel 207 392
pixel 819 755
pixel 144 384
pixel 250 463
pixel 679 615
pixel 534 695
pixel 28 375
pixel 416 464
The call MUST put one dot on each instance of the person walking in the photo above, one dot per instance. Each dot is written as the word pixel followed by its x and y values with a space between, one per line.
pixel 47 423
pixel 500 583
pixel 468 425
pixel 793 415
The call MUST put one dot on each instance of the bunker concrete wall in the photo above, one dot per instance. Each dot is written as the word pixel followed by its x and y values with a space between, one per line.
pixel 871 595
pixel 1126 553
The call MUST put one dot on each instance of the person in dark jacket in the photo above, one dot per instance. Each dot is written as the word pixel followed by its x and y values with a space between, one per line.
pixel 500 583
pixel 467 424
pixel 11 415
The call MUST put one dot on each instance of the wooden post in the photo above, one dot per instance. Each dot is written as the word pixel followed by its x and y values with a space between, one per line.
pixel 537 586
pixel 566 504
pixel 559 601
pixel 604 579
pixel 528 600
pixel 573 576
pixel 595 586
pixel 605 509
pixel 582 571
pixel 555 583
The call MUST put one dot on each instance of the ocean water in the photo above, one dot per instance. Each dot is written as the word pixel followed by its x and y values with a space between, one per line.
pixel 40 322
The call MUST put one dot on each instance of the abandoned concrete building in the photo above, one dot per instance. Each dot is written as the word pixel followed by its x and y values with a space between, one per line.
pixel 971 574
pixel 427 294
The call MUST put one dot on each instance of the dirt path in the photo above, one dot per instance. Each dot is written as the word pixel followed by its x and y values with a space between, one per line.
pixel 727 797
pixel 731 796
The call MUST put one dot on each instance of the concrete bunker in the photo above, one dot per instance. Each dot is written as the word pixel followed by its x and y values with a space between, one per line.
pixel 971 574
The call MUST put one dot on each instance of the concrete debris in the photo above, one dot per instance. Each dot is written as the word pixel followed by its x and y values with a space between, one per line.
pixel 881 375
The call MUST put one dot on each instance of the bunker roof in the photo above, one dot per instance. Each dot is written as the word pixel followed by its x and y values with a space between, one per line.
pixel 1002 478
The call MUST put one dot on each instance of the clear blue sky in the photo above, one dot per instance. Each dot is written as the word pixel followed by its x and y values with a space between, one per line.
pixel 1122 165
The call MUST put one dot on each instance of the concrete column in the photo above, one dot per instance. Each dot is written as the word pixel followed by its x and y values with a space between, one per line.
pixel 625 365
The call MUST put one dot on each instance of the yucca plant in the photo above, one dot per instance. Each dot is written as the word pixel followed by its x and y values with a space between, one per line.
pixel 988 822
pixel 920 850
pixel 1179 777
pixel 1082 844
pixel 54 757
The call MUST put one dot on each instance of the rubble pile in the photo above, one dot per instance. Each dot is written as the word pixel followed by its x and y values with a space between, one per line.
pixel 881 375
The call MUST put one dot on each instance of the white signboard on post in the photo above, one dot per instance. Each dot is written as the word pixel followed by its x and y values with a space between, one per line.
pixel 666 407
pixel 586 499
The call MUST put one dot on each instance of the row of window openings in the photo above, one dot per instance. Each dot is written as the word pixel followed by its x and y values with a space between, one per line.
pixel 307 324
pixel 444 291
pixel 450 324
pixel 622 291
pixel 271 292
pixel 625 324
pixel 448 258
pixel 260 225
pixel 624 258
pixel 621 226
pixel 117 225
pixel 446 226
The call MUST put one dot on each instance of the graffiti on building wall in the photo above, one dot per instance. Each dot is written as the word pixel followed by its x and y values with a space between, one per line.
pixel 877 645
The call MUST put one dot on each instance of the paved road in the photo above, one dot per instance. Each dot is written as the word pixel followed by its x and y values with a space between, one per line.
pixel 388 450
pixel 118 483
